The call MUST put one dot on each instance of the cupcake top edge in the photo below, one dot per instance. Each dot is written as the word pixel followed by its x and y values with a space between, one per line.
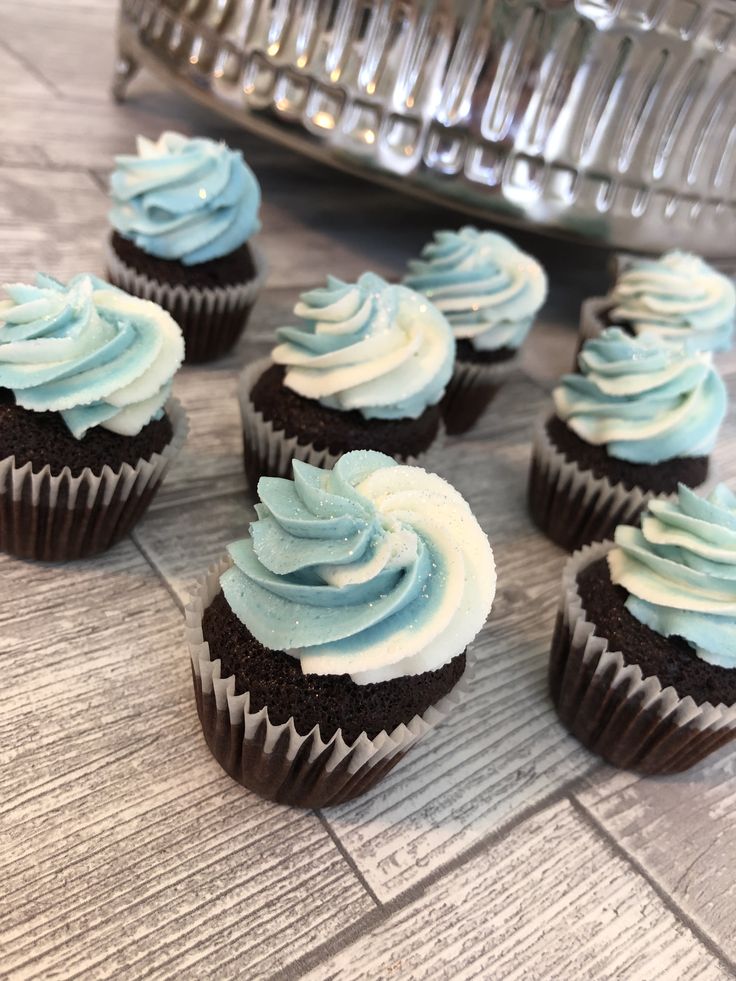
pixel 88 351
pixel 186 199
pixel 489 289
pixel 679 297
pixel 645 400
pixel 379 348
pixel 679 570
pixel 349 570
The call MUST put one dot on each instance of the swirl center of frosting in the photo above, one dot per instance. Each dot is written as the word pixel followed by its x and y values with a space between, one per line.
pixel 680 298
pixel 645 400
pixel 488 289
pixel 188 199
pixel 380 349
pixel 89 352
pixel 350 570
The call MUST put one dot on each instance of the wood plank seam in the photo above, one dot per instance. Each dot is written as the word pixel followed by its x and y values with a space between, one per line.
pixel 666 898
pixel 152 563
pixel 347 856
pixel 31 68
pixel 386 910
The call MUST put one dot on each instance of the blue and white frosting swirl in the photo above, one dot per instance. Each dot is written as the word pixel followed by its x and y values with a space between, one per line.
pixel 680 571
pixel 89 352
pixel 351 571
pixel 680 298
pixel 644 400
pixel 488 289
pixel 380 349
pixel 186 199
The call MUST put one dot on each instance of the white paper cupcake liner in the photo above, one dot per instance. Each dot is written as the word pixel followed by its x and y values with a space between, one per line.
pixel 268 451
pixel 211 319
pixel 471 390
pixel 608 704
pixel 275 761
pixel 56 516
pixel 571 506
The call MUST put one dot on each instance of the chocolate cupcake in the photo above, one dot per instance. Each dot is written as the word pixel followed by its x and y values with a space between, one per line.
pixel 678 297
pixel 639 418
pixel 334 636
pixel 643 663
pixel 183 216
pixel 490 291
pixel 365 370
pixel 88 427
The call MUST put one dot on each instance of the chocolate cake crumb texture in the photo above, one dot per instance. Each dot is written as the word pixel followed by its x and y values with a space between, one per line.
pixel 333 702
pixel 672 660
pixel 659 478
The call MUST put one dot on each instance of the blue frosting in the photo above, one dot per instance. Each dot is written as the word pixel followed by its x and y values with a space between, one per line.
pixel 642 398
pixel 88 351
pixel 488 289
pixel 187 199
pixel 381 349
pixel 351 586
pixel 680 298
pixel 680 571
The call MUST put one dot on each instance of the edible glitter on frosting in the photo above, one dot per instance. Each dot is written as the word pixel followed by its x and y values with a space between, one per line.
pixel 680 571
pixel 378 348
pixel 88 351
pixel 188 199
pixel 488 289
pixel 643 399
pixel 373 569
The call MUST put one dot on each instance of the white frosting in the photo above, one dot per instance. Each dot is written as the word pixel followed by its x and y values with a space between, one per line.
pixel 412 499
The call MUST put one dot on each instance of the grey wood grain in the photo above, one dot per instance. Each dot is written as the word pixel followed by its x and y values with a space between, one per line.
pixel 549 901
pixel 49 221
pixel 500 754
pixel 681 829
pixel 71 66
pixel 125 851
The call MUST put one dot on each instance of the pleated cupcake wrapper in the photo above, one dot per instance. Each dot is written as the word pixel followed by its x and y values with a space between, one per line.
pixel 471 390
pixel 56 517
pixel 211 318
pixel 275 761
pixel 572 506
pixel 628 719
pixel 268 451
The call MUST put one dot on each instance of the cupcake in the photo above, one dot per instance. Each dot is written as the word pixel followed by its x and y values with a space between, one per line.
pixel 643 664
pixel 183 214
pixel 365 369
pixel 678 297
pixel 88 427
pixel 490 291
pixel 334 636
pixel 640 418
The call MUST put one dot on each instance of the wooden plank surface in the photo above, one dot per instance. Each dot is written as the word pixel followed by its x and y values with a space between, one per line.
pixel 125 851
pixel 499 847
pixel 682 831
pixel 549 901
